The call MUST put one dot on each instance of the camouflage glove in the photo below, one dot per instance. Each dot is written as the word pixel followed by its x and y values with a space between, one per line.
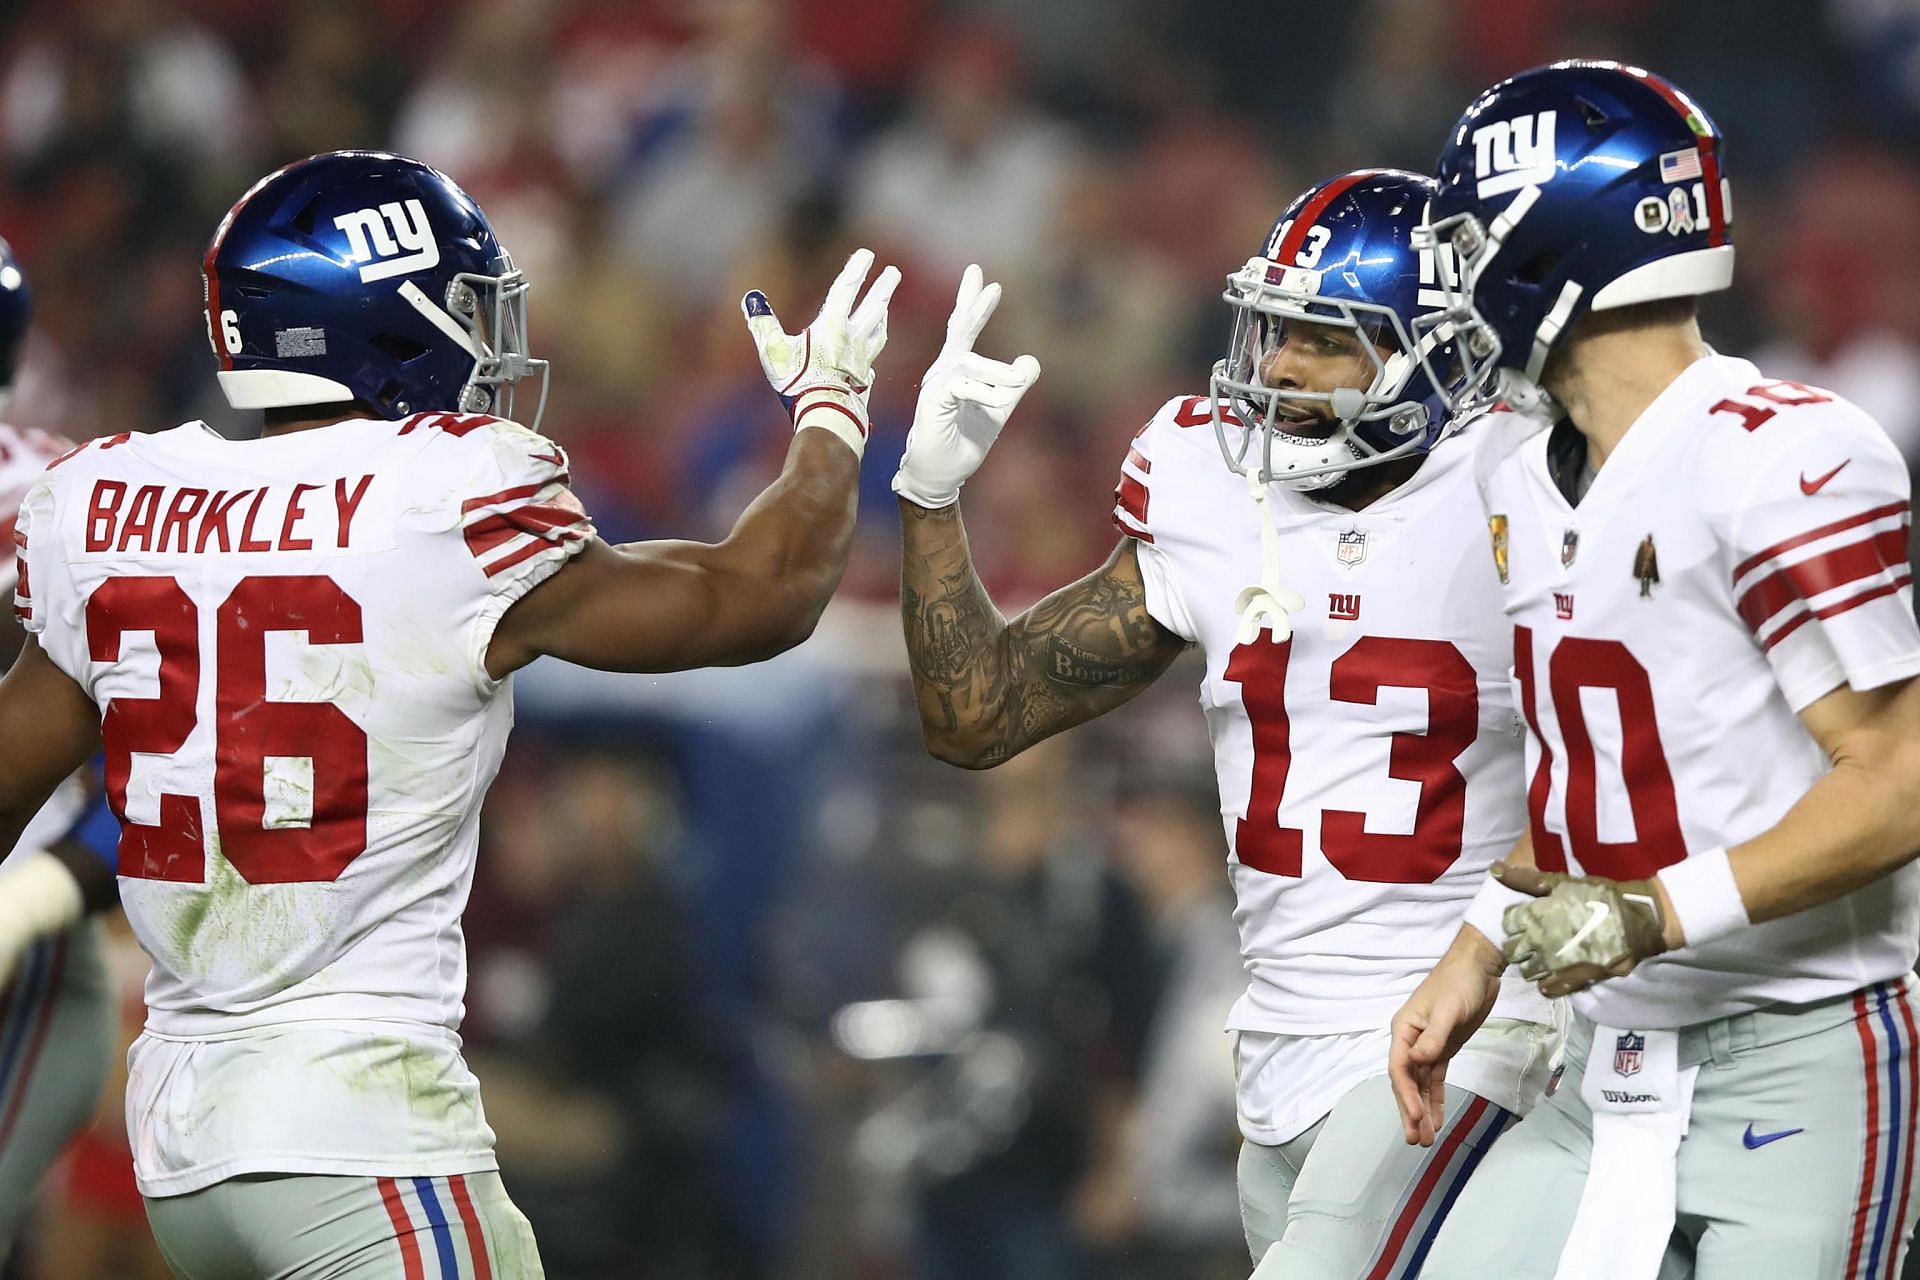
pixel 1579 930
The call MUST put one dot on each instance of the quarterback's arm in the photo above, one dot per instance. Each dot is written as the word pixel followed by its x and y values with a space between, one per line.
pixel 667 606
pixel 1854 825
pixel 988 689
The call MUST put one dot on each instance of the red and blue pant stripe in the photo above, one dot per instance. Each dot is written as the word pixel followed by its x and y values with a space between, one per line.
pixel 1423 1207
pixel 26 1013
pixel 1884 1020
pixel 441 1210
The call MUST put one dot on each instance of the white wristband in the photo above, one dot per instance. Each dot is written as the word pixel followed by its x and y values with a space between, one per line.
pixel 905 484
pixel 1487 912
pixel 1704 897
pixel 839 412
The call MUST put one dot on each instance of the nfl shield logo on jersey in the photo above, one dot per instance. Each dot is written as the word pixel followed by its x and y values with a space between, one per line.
pixel 1569 547
pixel 1627 1052
pixel 1352 547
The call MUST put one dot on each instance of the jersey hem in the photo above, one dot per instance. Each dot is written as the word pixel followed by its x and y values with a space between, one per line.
pixel 1367 1017
pixel 200 1177
pixel 402 1027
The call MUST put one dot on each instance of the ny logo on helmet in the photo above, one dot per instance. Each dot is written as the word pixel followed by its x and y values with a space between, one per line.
pixel 1438 265
pixel 1516 153
pixel 392 239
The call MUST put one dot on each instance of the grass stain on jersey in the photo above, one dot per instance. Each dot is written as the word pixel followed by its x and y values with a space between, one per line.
pixel 255 940
pixel 399 1068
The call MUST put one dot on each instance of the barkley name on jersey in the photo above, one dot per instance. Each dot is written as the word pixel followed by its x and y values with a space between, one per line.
pixel 287 639
pixel 1369 766
pixel 1742 552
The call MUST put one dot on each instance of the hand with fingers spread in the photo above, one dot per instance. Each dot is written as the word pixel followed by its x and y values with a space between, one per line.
pixel 1580 930
pixel 965 400
pixel 1442 1013
pixel 822 374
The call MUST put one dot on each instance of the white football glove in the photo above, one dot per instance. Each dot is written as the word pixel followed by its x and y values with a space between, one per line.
pixel 965 400
pixel 822 373
pixel 38 897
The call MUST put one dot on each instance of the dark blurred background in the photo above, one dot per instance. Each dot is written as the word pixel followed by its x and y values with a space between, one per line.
pixel 757 989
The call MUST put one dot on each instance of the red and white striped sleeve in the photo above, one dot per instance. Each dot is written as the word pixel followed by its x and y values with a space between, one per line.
pixel 24 456
pixel 1132 495
pixel 19 530
pixel 1821 574
pixel 1133 515
pixel 523 522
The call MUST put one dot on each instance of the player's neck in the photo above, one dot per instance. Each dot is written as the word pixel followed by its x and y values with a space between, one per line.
pixel 1366 486
pixel 1608 374
pixel 280 422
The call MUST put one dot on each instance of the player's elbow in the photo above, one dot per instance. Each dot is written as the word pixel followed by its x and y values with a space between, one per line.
pixel 960 751
pixel 779 614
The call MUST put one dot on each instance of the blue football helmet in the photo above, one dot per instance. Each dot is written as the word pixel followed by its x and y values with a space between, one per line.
pixel 358 275
pixel 1341 255
pixel 1575 187
pixel 16 309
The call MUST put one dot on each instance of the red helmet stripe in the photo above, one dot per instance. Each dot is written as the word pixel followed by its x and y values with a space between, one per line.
pixel 214 329
pixel 1310 213
pixel 1708 145
pixel 214 333
pixel 1716 202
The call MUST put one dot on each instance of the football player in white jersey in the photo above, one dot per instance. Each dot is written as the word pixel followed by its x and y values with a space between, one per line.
pixel 1355 690
pixel 1715 652
pixel 56 1003
pixel 295 652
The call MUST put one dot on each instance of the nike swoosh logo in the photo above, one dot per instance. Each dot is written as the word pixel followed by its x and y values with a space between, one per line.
pixel 559 459
pixel 1596 913
pixel 1754 1141
pixel 1811 487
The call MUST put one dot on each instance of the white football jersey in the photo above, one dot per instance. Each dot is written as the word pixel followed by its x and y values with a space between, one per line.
pixel 24 454
pixel 1742 552
pixel 1369 767
pixel 286 639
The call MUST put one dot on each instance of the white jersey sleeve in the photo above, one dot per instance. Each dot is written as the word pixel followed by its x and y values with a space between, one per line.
pixel 24 457
pixel 1133 514
pixel 519 518
pixel 1818 542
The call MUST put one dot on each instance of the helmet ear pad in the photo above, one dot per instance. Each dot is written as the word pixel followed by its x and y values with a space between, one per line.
pixel 334 280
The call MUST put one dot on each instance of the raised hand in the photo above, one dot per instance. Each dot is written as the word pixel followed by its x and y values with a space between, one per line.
pixel 965 401
pixel 823 373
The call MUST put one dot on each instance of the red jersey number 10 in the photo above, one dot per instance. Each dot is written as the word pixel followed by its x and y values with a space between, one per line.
pixel 1578 663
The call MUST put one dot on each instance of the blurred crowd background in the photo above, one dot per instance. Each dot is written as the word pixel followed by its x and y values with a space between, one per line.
pixel 757 989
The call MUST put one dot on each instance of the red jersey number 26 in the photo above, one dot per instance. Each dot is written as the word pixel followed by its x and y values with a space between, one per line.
pixel 248 727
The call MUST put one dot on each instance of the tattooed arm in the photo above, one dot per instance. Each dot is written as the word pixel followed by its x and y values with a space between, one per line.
pixel 987 688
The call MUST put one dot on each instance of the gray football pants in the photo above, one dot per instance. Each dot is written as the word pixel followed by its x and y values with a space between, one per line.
pixel 312 1227
pixel 56 1035
pixel 1797 1163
